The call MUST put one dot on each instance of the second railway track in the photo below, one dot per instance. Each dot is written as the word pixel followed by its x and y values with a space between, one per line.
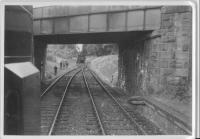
pixel 140 125
pixel 113 119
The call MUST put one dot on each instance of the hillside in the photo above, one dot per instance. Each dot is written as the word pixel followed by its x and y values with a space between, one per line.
pixel 56 54
pixel 107 68
pixel 62 51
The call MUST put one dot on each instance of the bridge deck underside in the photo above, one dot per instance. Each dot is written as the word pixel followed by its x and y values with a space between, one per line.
pixel 86 38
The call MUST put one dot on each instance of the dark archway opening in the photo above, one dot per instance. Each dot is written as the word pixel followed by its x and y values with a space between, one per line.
pixel 126 41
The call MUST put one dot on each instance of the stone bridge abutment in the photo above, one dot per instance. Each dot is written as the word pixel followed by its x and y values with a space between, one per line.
pixel 161 63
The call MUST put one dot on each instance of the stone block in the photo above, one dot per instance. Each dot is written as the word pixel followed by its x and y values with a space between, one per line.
pixel 182 55
pixel 183 42
pixel 172 46
pixel 154 55
pixel 163 47
pixel 176 9
pixel 168 38
pixel 166 71
pixel 187 16
pixel 179 64
pixel 154 63
pixel 185 47
pixel 186 64
pixel 181 72
pixel 163 31
pixel 166 17
pixel 167 21
pixel 167 24
pixel 163 64
pixel 155 71
pixel 187 32
pixel 172 64
pixel 172 80
pixel 165 55
pixel 154 47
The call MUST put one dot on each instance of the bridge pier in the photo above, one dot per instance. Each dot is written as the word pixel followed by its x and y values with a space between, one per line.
pixel 130 64
pixel 40 56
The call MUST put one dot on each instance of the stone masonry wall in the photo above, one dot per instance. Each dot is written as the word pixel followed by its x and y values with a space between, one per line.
pixel 162 64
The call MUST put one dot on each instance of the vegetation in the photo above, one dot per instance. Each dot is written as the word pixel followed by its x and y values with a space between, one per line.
pixel 62 51
pixel 100 49
pixel 68 51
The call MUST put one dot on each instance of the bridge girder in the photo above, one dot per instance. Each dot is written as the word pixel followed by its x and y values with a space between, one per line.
pixel 95 19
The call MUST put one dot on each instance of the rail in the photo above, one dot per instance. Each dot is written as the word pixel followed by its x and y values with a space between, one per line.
pixel 141 130
pixel 55 81
pixel 94 105
pixel 61 102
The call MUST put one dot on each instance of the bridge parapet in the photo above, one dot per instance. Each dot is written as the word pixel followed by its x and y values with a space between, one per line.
pixel 89 19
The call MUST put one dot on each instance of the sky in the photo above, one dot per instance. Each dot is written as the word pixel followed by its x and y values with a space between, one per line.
pixel 79 47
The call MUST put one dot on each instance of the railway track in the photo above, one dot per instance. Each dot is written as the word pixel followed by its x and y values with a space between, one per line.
pixel 115 120
pixel 68 110
pixel 80 104
pixel 76 116
pixel 143 126
pixel 50 99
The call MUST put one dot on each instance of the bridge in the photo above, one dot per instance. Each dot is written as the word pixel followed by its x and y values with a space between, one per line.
pixel 92 24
